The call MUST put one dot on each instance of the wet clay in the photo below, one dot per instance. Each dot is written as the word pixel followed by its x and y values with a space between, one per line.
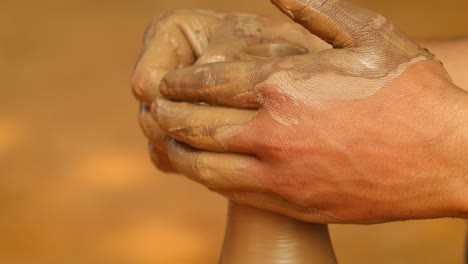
pixel 324 126
pixel 179 39
pixel 182 38
pixel 256 236
pixel 252 235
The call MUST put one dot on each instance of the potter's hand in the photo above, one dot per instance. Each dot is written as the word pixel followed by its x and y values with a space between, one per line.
pixel 187 37
pixel 369 131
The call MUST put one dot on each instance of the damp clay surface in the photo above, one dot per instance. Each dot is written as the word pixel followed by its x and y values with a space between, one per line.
pixel 191 129
pixel 76 183
pixel 257 236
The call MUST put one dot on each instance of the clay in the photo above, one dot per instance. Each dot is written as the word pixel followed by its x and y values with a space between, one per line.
pixel 255 236
pixel 183 38
pixel 370 50
pixel 179 116
pixel 225 172
pixel 252 235
pixel 315 129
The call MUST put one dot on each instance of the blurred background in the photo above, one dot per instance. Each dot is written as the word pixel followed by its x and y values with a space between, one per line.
pixel 76 184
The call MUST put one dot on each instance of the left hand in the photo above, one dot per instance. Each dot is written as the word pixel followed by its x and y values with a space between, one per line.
pixel 184 38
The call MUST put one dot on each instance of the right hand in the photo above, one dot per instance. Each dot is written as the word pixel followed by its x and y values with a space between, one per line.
pixel 366 132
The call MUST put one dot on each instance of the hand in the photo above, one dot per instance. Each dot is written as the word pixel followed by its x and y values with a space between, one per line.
pixel 193 37
pixel 366 132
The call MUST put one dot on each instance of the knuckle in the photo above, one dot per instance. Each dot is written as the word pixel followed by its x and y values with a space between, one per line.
pixel 151 28
pixel 269 145
pixel 199 168
pixel 373 23
pixel 205 79
pixel 197 131
pixel 209 76
pixel 206 175
pixel 142 83
pixel 137 84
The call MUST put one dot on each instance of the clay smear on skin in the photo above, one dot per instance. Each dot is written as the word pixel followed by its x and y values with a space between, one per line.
pixel 336 117
pixel 244 27
pixel 313 90
pixel 197 123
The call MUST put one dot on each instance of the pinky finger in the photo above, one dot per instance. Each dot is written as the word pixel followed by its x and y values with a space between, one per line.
pixel 156 138
pixel 158 154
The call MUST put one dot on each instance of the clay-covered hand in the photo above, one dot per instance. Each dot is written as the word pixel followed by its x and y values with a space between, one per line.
pixel 368 131
pixel 192 37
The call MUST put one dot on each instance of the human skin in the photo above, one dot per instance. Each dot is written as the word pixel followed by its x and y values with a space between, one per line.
pixel 252 235
pixel 258 236
pixel 372 130
pixel 454 54
pixel 183 38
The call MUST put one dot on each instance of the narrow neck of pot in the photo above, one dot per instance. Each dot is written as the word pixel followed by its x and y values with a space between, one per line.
pixel 255 236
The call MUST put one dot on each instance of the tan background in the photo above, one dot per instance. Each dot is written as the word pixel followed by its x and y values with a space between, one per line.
pixel 76 185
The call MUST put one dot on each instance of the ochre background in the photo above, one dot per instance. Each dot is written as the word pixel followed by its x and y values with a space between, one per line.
pixel 76 185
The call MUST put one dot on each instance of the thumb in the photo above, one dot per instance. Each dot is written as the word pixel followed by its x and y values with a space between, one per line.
pixel 337 22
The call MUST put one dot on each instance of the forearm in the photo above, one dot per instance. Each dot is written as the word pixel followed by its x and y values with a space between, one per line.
pixel 454 54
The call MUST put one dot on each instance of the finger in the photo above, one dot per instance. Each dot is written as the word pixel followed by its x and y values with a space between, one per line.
pixel 283 30
pixel 158 154
pixel 271 202
pixel 338 22
pixel 217 171
pixel 217 53
pixel 157 140
pixel 229 47
pixel 173 40
pixel 201 126
pixel 150 129
pixel 231 84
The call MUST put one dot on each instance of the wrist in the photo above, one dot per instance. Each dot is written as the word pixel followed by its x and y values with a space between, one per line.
pixel 463 139
pixel 458 147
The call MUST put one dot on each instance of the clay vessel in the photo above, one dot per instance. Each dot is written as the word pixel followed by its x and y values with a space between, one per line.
pixel 255 236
